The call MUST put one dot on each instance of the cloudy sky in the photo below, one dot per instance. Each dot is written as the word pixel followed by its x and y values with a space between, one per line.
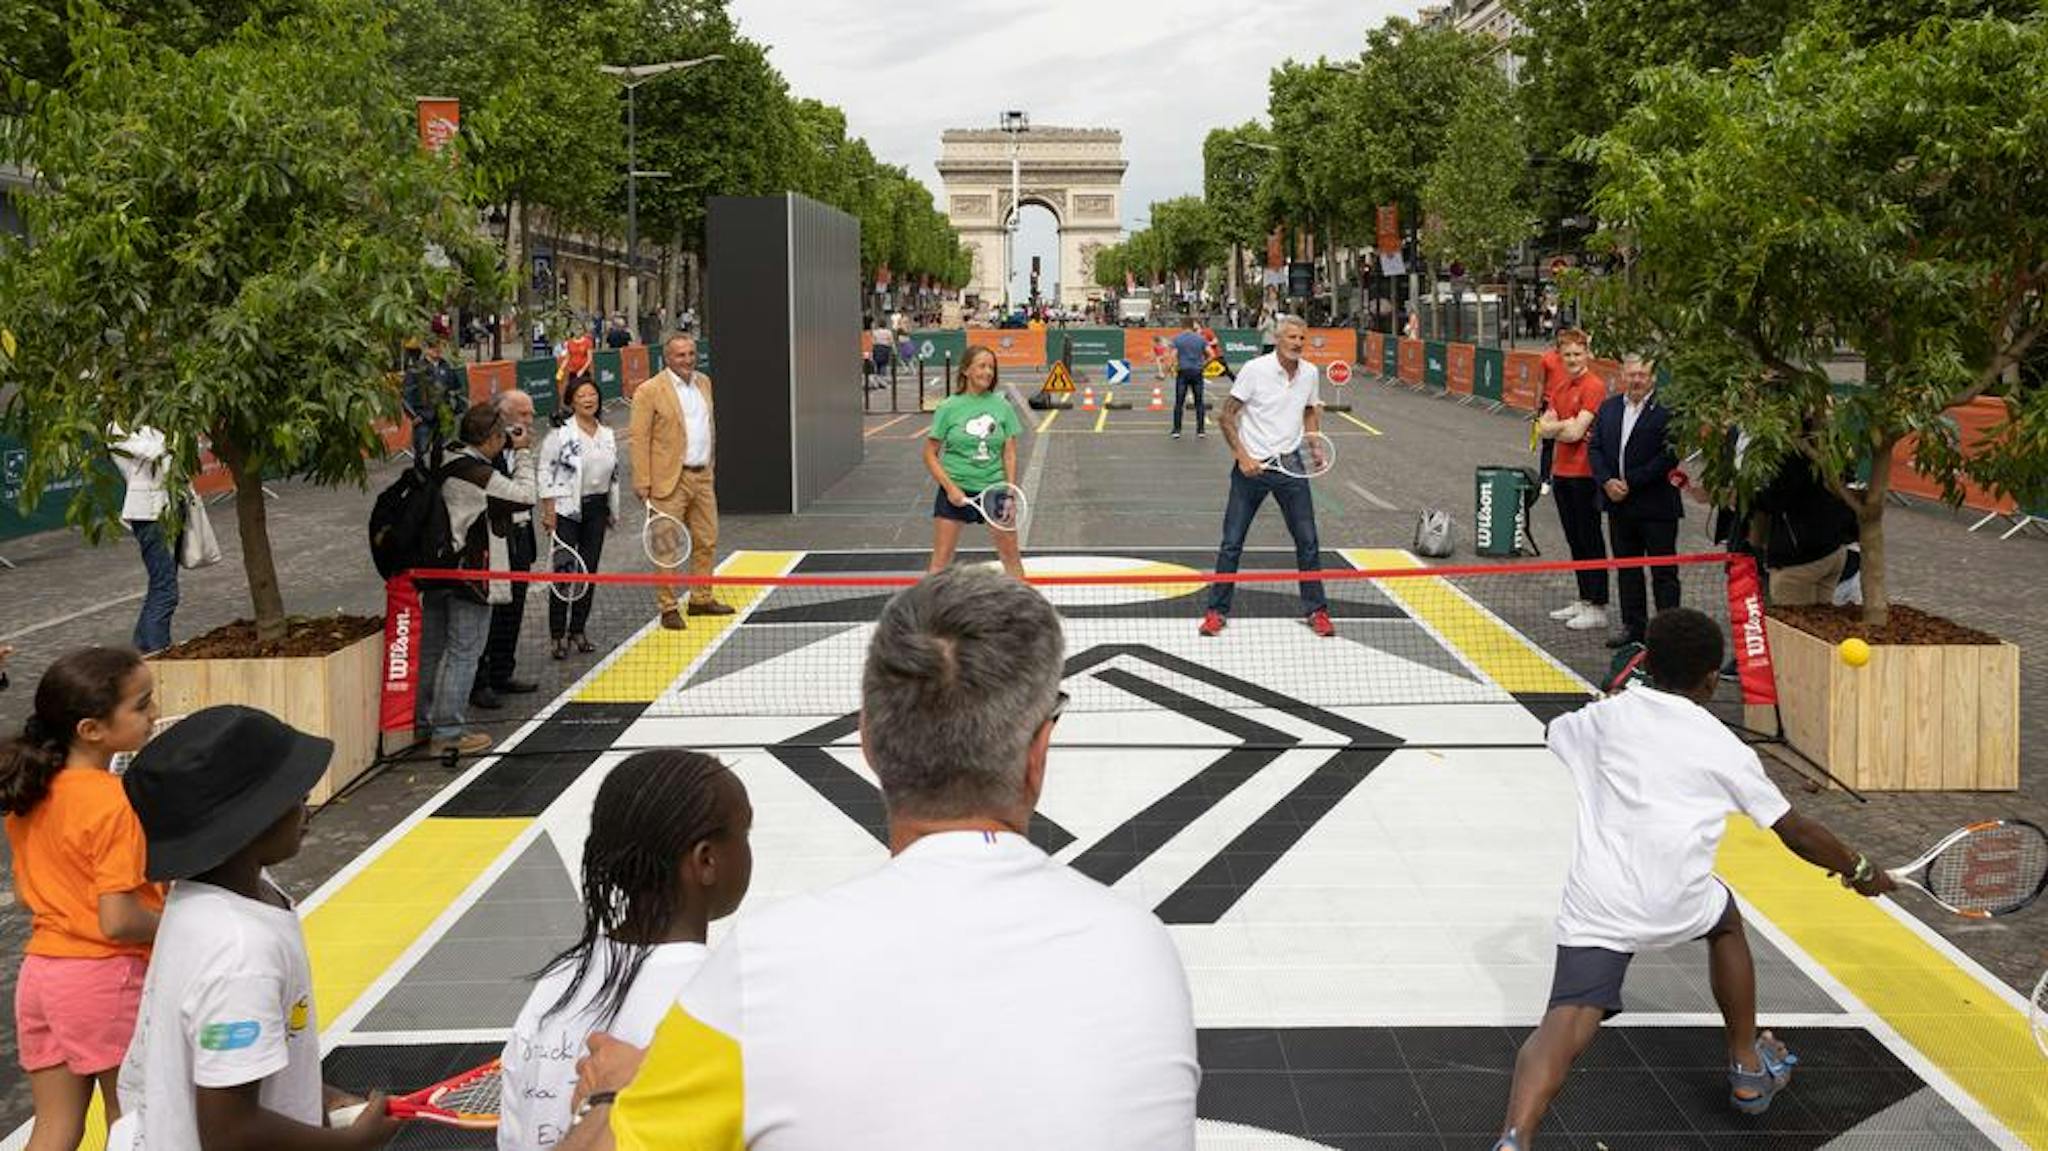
pixel 1164 74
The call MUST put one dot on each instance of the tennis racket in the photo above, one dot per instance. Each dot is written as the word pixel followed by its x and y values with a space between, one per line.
pixel 1983 870
pixel 665 539
pixel 1001 506
pixel 564 560
pixel 122 760
pixel 1311 458
pixel 2037 1013
pixel 469 1100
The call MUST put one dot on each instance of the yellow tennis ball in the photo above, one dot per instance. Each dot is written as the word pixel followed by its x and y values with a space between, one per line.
pixel 1855 652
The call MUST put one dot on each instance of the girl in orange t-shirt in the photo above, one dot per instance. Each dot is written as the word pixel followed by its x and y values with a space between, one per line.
pixel 78 867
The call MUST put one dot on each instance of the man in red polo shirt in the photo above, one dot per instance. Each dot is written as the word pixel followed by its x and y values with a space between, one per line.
pixel 1568 421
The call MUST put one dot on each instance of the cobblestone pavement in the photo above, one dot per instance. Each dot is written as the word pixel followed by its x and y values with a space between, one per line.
pixel 1128 486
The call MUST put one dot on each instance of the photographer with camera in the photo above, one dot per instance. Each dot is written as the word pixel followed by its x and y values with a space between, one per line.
pixel 495 675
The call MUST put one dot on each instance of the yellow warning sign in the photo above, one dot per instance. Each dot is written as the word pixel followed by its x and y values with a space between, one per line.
pixel 1213 369
pixel 1058 381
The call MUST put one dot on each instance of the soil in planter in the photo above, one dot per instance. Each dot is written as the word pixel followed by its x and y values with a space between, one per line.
pixel 1907 626
pixel 304 636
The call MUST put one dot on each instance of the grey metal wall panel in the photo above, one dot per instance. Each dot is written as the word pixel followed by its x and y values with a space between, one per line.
pixel 782 309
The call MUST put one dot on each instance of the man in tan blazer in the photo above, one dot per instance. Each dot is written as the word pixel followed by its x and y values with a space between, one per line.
pixel 671 445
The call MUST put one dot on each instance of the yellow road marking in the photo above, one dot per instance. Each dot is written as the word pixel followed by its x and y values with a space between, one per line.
pixel 1049 418
pixel 1498 651
pixel 1102 417
pixel 886 425
pixel 1979 1040
pixel 360 930
pixel 653 660
pixel 1360 423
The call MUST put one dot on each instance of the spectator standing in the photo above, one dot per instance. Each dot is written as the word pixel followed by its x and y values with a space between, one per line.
pixel 671 443
pixel 498 674
pixel 434 399
pixel 579 490
pixel 1805 531
pixel 143 459
pixel 1632 461
pixel 1568 420
pixel 1190 356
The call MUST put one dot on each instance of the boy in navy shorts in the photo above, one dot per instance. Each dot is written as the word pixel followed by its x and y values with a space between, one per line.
pixel 1657 777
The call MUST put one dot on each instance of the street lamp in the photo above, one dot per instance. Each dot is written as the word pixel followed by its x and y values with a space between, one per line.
pixel 1016 123
pixel 632 76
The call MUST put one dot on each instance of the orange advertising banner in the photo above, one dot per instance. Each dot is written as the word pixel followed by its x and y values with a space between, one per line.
pixel 1327 346
pixel 1458 368
pixel 1978 422
pixel 1411 361
pixel 1014 347
pixel 1375 352
pixel 489 377
pixel 1388 234
pixel 1524 380
pixel 440 120
pixel 633 367
pixel 1149 347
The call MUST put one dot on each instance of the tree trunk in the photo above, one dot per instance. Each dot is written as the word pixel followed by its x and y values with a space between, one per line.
pixel 258 564
pixel 1877 601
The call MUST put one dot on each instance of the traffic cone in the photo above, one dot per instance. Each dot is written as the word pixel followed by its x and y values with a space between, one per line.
pixel 1087 399
pixel 1158 399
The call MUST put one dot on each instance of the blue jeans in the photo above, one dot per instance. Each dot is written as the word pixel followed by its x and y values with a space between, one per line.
pixel 1184 381
pixel 456 626
pixel 1297 507
pixel 153 625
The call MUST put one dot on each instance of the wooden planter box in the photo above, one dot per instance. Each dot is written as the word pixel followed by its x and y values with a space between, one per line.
pixel 1915 718
pixel 334 696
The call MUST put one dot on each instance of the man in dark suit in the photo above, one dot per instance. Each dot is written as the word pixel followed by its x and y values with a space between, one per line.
pixel 1632 460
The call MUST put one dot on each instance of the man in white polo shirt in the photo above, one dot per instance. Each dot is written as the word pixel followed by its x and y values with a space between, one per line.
pixel 1271 407
pixel 969 993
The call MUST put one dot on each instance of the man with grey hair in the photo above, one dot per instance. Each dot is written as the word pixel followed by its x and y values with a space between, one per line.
pixel 969 993
pixel 1272 406
pixel 1632 459
pixel 497 674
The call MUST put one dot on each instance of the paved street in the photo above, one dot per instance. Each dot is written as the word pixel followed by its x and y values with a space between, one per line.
pixel 1100 482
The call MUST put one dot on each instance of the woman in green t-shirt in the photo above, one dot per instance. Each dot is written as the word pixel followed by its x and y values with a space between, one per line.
pixel 972 446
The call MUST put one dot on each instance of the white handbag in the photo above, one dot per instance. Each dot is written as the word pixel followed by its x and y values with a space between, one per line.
pixel 197 547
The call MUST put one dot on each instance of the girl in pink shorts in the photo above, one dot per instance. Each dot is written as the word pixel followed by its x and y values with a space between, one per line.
pixel 78 868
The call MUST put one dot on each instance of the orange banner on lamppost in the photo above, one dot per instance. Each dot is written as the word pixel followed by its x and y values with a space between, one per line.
pixel 1389 230
pixel 440 120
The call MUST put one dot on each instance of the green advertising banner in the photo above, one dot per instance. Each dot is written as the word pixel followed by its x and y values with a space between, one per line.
pixel 537 379
pixel 48 512
pixel 1433 363
pixel 935 346
pixel 611 382
pixel 1092 347
pixel 1239 345
pixel 1390 359
pixel 1488 374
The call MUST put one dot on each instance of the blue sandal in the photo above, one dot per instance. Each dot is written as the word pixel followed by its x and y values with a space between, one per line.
pixel 1512 1141
pixel 1751 1092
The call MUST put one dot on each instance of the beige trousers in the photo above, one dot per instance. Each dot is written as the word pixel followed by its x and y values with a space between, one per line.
pixel 696 505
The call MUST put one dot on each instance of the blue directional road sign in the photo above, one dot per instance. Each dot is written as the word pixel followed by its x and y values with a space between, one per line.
pixel 1119 371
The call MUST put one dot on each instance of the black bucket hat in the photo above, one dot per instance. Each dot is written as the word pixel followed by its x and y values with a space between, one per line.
pixel 213 782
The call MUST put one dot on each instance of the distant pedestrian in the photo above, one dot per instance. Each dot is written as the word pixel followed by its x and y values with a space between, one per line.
pixel 434 399
pixel 143 458
pixel 1191 355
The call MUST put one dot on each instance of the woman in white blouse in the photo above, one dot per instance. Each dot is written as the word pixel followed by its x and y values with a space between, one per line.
pixel 140 457
pixel 579 488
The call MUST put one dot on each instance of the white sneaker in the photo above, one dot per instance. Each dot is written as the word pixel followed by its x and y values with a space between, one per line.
pixel 1569 610
pixel 1592 619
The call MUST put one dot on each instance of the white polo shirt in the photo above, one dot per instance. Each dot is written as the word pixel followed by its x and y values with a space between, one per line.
pixel 1658 777
pixel 1271 422
pixel 970 993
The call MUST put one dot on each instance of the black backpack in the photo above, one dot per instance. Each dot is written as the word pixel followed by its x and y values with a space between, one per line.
pixel 409 525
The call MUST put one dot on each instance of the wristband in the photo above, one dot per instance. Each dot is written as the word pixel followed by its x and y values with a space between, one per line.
pixel 593 1101
pixel 1863 870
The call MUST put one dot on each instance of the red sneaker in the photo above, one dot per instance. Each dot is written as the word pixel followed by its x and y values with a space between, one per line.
pixel 1319 623
pixel 1212 622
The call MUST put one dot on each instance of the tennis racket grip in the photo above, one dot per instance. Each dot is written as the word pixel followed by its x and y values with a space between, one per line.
pixel 346 1116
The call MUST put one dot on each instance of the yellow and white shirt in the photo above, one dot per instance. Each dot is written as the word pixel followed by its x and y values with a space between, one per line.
pixel 970 993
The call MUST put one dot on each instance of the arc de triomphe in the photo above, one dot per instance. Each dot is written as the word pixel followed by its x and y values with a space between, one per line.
pixel 1075 173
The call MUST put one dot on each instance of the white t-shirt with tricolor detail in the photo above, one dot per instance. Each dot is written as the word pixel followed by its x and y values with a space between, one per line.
pixel 1657 776
pixel 228 1001
pixel 970 993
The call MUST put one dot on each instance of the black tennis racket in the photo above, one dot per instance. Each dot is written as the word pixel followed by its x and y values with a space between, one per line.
pixel 1984 870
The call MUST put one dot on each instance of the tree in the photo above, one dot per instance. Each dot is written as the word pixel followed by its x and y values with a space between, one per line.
pixel 1473 196
pixel 1889 197
pixel 1236 163
pixel 229 244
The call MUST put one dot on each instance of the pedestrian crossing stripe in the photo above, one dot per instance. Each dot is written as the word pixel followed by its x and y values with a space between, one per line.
pixel 1058 381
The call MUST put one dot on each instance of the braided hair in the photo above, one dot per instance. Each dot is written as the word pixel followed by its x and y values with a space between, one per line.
pixel 82 684
pixel 652 809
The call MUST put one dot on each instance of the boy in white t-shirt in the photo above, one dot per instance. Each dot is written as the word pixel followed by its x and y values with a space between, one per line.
pixel 227 1047
pixel 1657 778
pixel 667 854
